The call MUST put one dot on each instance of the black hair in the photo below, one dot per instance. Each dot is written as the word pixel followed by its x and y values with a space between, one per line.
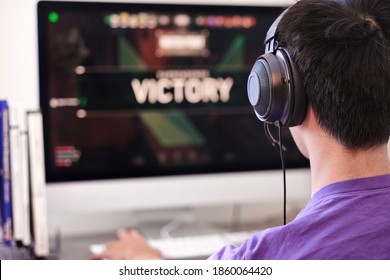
pixel 342 51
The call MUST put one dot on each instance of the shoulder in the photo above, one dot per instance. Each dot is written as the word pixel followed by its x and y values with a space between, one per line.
pixel 267 244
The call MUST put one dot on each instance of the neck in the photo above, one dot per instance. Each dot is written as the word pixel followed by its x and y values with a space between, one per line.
pixel 332 162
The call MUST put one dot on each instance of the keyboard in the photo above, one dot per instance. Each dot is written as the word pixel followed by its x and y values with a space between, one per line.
pixel 190 247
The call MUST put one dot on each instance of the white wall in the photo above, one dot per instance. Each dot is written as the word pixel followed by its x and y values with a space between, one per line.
pixel 18 52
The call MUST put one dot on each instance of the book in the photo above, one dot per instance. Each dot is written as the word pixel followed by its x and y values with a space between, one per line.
pixel 5 171
pixel 38 184
pixel 16 176
pixel 25 178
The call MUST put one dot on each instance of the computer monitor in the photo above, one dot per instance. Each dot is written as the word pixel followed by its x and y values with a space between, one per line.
pixel 145 106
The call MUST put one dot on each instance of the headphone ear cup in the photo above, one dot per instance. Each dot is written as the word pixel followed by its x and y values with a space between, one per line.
pixel 266 89
pixel 275 91
pixel 297 101
pixel 259 90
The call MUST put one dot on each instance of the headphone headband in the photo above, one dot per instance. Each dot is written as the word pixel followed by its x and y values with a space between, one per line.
pixel 271 33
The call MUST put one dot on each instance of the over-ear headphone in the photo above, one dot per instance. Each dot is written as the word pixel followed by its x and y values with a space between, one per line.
pixel 274 85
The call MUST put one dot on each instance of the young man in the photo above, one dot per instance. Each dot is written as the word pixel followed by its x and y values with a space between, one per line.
pixel 341 49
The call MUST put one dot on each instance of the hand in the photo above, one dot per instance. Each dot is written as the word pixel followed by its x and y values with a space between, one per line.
pixel 130 245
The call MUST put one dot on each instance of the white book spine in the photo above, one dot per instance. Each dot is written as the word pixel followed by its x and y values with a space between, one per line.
pixel 25 179
pixel 16 176
pixel 26 189
pixel 38 184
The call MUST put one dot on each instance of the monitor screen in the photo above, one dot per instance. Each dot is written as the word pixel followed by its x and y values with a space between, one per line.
pixel 139 90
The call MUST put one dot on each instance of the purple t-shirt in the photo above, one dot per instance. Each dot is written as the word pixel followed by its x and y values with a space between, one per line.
pixel 344 220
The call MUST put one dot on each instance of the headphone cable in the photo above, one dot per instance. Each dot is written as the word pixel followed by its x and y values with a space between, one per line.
pixel 279 146
pixel 284 176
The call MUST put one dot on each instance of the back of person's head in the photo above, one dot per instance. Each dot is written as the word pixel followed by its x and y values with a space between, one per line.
pixel 342 51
